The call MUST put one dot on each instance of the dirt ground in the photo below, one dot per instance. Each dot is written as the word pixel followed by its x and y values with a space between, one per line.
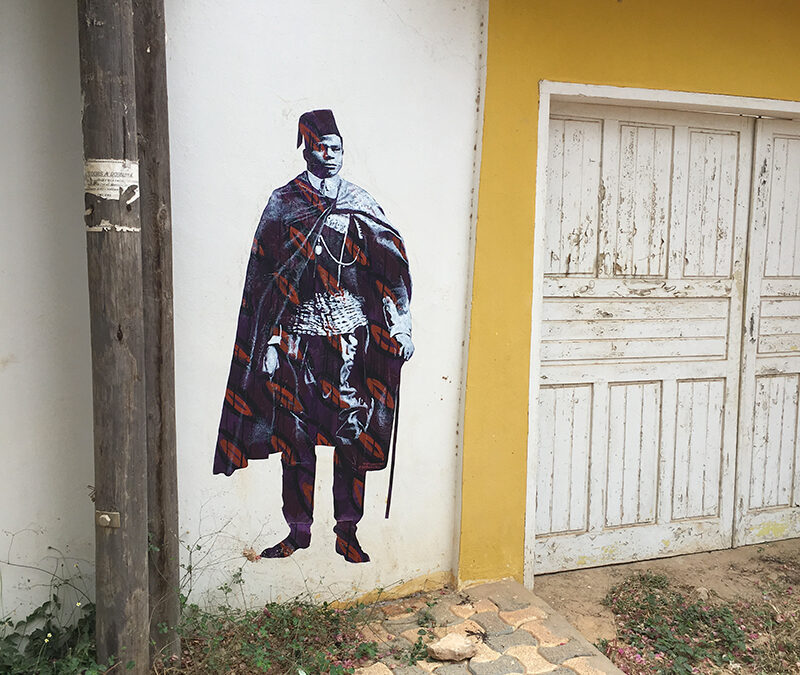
pixel 729 573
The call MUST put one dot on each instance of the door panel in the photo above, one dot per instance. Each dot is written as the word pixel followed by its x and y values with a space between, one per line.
pixel 646 217
pixel 699 449
pixel 633 446
pixel 564 458
pixel 768 499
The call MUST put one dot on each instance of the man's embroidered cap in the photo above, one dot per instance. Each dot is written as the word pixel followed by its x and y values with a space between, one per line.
pixel 315 124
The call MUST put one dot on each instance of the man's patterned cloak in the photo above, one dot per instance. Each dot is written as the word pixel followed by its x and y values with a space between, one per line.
pixel 285 268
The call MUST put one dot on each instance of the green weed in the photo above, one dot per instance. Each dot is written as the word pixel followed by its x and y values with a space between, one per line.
pixel 661 630
pixel 279 638
pixel 44 643
pixel 418 651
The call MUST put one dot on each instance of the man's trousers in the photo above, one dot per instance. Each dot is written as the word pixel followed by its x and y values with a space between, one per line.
pixel 331 405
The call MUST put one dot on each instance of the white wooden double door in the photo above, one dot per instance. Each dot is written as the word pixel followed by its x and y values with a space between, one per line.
pixel 670 336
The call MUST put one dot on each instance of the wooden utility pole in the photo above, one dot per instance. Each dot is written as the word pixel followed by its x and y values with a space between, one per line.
pixel 162 494
pixel 115 301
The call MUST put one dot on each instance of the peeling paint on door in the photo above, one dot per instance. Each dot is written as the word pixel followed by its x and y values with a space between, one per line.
pixel 641 337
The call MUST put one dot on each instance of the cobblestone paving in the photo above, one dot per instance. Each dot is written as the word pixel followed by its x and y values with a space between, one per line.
pixel 515 632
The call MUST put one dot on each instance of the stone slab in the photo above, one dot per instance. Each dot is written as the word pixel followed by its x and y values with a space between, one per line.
pixel 517 617
pixel 491 623
pixel 485 653
pixel 544 636
pixel 502 666
pixel 453 669
pixel 463 610
pixel 400 620
pixel 485 605
pixel 567 651
pixel 442 616
pixel 467 627
pixel 508 595
pixel 501 643
pixel 592 665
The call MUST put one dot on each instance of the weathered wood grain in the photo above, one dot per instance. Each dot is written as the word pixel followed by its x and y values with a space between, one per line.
pixel 154 172
pixel 115 297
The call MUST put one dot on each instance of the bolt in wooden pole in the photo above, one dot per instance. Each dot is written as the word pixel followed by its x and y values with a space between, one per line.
pixel 162 494
pixel 115 301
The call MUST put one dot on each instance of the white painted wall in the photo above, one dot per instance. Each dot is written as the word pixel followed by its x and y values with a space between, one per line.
pixel 402 78
pixel 45 367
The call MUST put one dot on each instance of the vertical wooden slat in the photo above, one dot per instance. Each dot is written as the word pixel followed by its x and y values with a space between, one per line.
pixel 784 212
pixel 713 196
pixel 708 226
pixel 792 205
pixel 694 214
pixel 662 179
pixel 713 463
pixel 162 497
pixel 667 469
pixel 562 449
pixel 590 198
pixel 772 264
pixel 680 487
pixel 554 218
pixel 571 195
pixel 544 466
pixel 609 202
pixel 787 449
pixel 598 456
pixel 616 454
pixel 796 473
pixel 626 216
pixel 579 484
pixel 726 208
pixel 648 464
pixel 633 452
pixel 644 214
pixel 758 458
pixel 115 299
pixel 697 447
pixel 776 412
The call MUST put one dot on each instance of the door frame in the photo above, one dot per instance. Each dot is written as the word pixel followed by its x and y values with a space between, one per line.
pixel 609 95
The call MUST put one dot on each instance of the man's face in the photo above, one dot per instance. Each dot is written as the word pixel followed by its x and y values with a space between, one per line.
pixel 324 158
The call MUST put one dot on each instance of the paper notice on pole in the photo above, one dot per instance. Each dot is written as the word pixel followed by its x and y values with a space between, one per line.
pixel 112 179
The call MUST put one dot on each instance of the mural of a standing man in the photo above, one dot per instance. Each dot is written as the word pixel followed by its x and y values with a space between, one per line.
pixel 324 329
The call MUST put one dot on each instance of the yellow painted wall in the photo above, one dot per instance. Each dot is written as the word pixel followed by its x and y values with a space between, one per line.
pixel 739 47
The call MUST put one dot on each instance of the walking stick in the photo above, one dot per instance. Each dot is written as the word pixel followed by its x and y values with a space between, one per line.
pixel 393 448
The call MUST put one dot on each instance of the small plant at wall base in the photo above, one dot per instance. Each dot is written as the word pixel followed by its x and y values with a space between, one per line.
pixel 57 637
pixel 44 643
pixel 279 638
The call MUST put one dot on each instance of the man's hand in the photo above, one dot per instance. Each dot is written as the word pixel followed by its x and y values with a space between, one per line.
pixel 406 346
pixel 271 360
